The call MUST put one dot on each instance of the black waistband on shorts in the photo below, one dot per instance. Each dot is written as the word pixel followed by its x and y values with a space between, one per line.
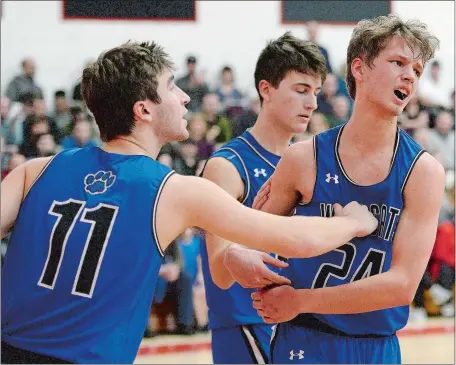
pixel 307 320
pixel 14 355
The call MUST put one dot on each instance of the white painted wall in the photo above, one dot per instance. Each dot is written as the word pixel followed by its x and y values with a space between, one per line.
pixel 230 32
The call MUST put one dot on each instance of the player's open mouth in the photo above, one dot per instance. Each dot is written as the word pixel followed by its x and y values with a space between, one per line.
pixel 401 94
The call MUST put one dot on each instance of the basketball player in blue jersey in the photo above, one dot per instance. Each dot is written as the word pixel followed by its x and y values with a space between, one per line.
pixel 89 226
pixel 346 306
pixel 288 76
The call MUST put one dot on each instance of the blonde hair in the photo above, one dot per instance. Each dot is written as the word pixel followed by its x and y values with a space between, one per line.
pixel 370 37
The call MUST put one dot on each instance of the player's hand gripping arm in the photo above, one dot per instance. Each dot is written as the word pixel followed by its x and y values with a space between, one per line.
pixel 188 201
pixel 14 187
pixel 244 265
pixel 412 246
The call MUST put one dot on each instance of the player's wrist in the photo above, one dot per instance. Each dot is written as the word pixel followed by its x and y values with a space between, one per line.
pixel 306 301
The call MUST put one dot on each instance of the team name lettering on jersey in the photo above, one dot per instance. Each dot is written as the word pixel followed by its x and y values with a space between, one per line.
pixel 386 216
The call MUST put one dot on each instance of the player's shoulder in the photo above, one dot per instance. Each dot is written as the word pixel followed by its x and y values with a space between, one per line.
pixel 428 167
pixel 427 174
pixel 300 152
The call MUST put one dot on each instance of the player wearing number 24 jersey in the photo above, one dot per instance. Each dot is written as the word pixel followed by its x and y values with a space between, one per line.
pixel 89 226
pixel 346 306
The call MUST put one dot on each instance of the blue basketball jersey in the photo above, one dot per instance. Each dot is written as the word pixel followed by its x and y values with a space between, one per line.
pixel 83 258
pixel 255 165
pixel 362 257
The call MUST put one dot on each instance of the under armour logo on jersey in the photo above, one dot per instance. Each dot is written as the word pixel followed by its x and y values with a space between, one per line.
pixel 300 354
pixel 329 178
pixel 99 182
pixel 259 172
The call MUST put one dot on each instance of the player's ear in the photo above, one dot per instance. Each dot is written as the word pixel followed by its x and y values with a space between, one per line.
pixel 265 89
pixel 141 111
pixel 357 67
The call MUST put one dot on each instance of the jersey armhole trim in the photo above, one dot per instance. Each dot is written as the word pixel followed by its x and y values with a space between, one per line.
pixel 154 213
pixel 419 154
pixel 247 188
pixel 25 194
pixel 315 150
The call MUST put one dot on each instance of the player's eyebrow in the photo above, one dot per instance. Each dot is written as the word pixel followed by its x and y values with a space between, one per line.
pixel 405 58
pixel 303 84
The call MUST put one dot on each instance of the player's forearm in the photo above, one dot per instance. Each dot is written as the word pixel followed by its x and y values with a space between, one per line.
pixel 375 293
pixel 327 234
pixel 216 253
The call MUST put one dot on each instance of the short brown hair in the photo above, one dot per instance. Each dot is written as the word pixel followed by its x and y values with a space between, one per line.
pixel 288 53
pixel 117 80
pixel 370 37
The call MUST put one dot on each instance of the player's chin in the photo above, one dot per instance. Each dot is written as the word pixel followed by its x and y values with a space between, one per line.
pixel 298 128
pixel 182 135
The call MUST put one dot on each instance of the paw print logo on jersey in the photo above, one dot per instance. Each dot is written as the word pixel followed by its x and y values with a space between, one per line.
pixel 99 182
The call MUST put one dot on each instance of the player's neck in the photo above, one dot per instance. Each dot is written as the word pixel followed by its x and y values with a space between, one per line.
pixel 129 145
pixel 269 134
pixel 368 128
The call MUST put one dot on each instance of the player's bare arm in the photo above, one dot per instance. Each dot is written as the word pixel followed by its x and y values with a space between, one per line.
pixel 412 246
pixel 14 188
pixel 238 259
pixel 193 202
pixel 292 181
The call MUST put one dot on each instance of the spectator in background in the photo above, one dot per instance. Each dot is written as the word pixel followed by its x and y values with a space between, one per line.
pixel 312 33
pixel 14 161
pixel 317 124
pixel 218 124
pixel 197 129
pixel 442 137
pixel 14 116
pixel 414 116
pixel 421 136
pixel 248 118
pixel 340 111
pixel 39 111
pixel 45 145
pixel 186 163
pixel 80 137
pixel 193 85
pixel 62 114
pixel 24 83
pixel 230 97
pixel 432 92
pixel 329 90
pixel 189 248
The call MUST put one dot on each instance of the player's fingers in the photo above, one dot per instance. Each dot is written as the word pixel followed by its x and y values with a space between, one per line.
pixel 256 296
pixel 337 209
pixel 259 202
pixel 274 261
pixel 257 305
pixel 276 278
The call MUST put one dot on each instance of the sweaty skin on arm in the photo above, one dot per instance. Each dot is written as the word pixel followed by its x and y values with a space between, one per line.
pixel 412 246
pixel 14 188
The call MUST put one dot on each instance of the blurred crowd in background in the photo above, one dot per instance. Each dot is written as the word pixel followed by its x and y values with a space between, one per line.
pixel 216 115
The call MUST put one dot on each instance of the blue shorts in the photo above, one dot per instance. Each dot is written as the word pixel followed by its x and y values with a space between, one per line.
pixel 293 344
pixel 248 344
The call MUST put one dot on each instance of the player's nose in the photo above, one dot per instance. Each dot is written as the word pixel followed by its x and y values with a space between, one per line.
pixel 311 103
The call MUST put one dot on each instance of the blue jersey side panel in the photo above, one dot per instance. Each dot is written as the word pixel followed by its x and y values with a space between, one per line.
pixel 86 299
pixel 255 165
pixel 362 257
